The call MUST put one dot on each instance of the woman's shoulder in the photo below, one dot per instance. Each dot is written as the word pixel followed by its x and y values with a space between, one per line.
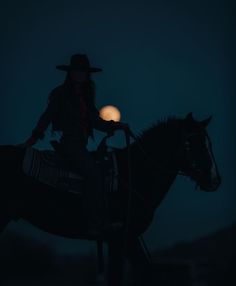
pixel 58 93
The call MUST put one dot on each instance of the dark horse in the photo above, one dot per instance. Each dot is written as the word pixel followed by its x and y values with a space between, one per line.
pixel 168 148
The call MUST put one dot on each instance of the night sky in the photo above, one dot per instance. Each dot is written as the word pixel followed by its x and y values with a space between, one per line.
pixel 159 59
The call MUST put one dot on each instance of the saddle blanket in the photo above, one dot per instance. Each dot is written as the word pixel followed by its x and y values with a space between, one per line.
pixel 44 166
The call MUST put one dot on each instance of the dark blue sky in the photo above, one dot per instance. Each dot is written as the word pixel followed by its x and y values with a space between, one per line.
pixel 160 58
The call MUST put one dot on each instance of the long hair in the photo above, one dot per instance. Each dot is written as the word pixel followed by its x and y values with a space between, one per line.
pixel 88 88
pixel 88 93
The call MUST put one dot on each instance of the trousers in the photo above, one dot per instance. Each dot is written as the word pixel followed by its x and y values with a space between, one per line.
pixel 75 152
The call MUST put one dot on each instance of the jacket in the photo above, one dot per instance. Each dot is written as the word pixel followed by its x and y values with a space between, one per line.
pixel 63 113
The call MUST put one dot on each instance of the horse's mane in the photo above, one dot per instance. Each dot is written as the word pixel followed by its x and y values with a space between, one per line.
pixel 163 128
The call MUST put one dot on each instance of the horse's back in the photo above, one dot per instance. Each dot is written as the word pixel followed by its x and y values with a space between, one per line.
pixel 11 158
pixel 11 152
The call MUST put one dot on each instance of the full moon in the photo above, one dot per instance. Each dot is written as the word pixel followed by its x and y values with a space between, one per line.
pixel 110 112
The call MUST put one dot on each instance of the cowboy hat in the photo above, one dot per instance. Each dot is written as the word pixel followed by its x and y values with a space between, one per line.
pixel 78 62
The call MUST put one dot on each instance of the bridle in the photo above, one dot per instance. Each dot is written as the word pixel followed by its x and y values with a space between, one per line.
pixel 191 160
pixel 166 168
pixel 188 155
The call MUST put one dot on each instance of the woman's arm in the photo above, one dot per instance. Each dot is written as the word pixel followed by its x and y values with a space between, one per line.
pixel 44 121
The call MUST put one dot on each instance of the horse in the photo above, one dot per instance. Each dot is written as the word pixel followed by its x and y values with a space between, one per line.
pixel 146 170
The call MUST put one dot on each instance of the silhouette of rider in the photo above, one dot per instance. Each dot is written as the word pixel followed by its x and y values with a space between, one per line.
pixel 71 110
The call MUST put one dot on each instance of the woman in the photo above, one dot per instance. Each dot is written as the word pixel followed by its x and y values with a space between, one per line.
pixel 71 110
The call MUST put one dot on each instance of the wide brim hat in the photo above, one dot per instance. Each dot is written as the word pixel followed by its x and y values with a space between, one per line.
pixel 78 62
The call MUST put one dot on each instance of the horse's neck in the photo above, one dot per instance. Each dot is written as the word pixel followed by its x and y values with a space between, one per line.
pixel 153 172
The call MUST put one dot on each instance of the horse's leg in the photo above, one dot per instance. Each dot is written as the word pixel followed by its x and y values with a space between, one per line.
pixel 5 214
pixel 141 265
pixel 100 261
pixel 4 220
pixel 115 261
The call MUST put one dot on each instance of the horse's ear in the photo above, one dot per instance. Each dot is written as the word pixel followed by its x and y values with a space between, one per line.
pixel 189 116
pixel 205 122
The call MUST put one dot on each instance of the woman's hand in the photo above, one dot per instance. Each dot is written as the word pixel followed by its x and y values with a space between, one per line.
pixel 120 125
pixel 28 143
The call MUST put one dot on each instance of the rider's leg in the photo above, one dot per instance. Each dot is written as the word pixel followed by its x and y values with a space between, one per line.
pixel 79 156
pixel 94 194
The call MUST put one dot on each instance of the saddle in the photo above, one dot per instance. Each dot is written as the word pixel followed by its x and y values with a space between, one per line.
pixel 47 167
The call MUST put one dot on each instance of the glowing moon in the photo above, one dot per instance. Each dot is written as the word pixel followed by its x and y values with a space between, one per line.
pixel 110 112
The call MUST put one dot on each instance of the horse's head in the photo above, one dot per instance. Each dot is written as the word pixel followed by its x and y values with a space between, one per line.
pixel 197 158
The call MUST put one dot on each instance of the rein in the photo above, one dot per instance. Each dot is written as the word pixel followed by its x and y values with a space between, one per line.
pixel 213 157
